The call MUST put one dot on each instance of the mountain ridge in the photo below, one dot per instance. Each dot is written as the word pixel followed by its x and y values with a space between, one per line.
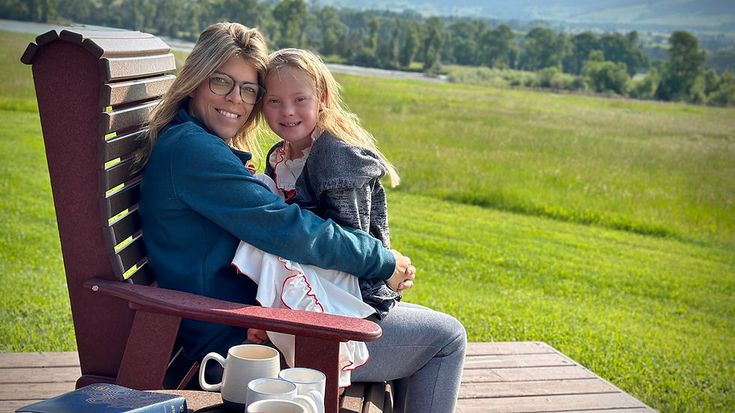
pixel 705 14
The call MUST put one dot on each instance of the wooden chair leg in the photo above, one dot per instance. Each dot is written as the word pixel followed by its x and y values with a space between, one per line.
pixel 322 355
pixel 148 350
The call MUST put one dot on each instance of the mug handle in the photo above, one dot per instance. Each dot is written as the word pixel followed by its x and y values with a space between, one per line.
pixel 307 403
pixel 318 400
pixel 203 367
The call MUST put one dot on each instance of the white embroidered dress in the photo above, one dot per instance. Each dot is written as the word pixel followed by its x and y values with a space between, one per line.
pixel 286 284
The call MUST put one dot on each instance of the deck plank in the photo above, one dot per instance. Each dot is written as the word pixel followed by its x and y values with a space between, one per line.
pixel 508 377
pixel 10 406
pixel 39 375
pixel 516 360
pixel 534 388
pixel 39 359
pixel 509 347
pixel 526 374
pixel 34 391
pixel 549 403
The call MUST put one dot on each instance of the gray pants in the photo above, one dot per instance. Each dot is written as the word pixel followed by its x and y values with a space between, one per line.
pixel 422 351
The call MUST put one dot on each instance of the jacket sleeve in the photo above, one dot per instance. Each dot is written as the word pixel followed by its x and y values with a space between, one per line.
pixel 213 182
pixel 334 164
pixel 346 181
pixel 348 206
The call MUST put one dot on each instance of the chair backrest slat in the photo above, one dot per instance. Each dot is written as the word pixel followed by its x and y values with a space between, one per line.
pixel 126 118
pixel 136 90
pixel 143 274
pixel 115 46
pixel 121 146
pixel 123 199
pixel 119 174
pixel 125 228
pixel 131 259
pixel 120 68
pixel 110 43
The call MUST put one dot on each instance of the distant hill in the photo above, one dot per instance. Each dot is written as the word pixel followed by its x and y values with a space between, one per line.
pixel 704 14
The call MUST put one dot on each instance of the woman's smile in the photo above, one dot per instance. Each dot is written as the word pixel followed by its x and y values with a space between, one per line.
pixel 228 114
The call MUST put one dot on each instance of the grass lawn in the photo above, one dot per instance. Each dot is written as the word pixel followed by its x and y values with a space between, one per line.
pixel 604 227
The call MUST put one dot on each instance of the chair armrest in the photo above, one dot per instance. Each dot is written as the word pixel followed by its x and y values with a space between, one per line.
pixel 197 307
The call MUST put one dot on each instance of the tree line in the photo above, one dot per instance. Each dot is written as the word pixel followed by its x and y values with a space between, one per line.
pixel 607 63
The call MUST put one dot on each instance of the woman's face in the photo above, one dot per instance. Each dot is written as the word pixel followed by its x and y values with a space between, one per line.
pixel 224 115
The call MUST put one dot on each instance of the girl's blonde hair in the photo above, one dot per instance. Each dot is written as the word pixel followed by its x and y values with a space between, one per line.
pixel 334 117
pixel 215 46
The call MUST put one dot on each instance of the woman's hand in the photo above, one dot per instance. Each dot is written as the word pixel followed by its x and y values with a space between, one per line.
pixel 403 275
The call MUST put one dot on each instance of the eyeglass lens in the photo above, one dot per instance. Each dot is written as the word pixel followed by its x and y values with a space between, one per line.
pixel 222 85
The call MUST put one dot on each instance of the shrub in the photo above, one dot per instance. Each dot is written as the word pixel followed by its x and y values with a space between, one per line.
pixel 644 87
pixel 606 76
pixel 552 78
pixel 725 93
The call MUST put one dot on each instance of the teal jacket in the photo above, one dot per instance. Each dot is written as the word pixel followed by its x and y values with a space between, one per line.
pixel 198 200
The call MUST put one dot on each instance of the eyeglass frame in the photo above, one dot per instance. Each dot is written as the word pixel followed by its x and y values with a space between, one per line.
pixel 259 96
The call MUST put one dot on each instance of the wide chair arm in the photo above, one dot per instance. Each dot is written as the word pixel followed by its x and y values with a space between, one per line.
pixel 196 307
pixel 159 311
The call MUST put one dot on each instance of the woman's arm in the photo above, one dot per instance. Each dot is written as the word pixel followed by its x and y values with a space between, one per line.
pixel 211 180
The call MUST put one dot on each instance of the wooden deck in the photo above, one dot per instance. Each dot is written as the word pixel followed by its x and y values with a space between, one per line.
pixel 498 377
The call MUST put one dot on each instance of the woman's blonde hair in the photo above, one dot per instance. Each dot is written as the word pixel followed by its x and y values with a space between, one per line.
pixel 215 46
pixel 334 117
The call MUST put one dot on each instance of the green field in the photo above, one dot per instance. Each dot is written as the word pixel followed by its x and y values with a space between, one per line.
pixel 604 227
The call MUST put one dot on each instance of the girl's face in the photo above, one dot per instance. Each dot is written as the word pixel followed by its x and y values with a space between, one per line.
pixel 224 115
pixel 291 106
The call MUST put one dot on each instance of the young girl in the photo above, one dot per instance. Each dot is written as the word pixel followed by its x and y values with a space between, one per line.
pixel 326 163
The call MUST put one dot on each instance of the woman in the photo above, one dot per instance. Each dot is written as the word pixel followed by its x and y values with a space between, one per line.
pixel 198 200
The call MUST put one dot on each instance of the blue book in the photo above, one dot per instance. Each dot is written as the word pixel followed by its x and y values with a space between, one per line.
pixel 109 398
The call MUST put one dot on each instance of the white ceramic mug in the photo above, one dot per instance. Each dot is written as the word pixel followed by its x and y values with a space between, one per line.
pixel 243 364
pixel 277 389
pixel 309 382
pixel 275 406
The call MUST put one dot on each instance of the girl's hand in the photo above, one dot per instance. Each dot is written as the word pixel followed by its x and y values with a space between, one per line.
pixel 257 336
pixel 403 275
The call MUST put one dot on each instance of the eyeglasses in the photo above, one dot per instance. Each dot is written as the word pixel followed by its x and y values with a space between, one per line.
pixel 222 84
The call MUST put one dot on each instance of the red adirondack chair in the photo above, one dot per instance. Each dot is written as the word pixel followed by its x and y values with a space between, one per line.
pixel 95 89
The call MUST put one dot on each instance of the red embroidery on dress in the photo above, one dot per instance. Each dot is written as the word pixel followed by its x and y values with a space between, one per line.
pixel 280 153
pixel 309 290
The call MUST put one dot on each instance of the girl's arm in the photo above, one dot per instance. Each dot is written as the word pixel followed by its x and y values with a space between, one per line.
pixel 348 206
pixel 346 181
pixel 363 207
